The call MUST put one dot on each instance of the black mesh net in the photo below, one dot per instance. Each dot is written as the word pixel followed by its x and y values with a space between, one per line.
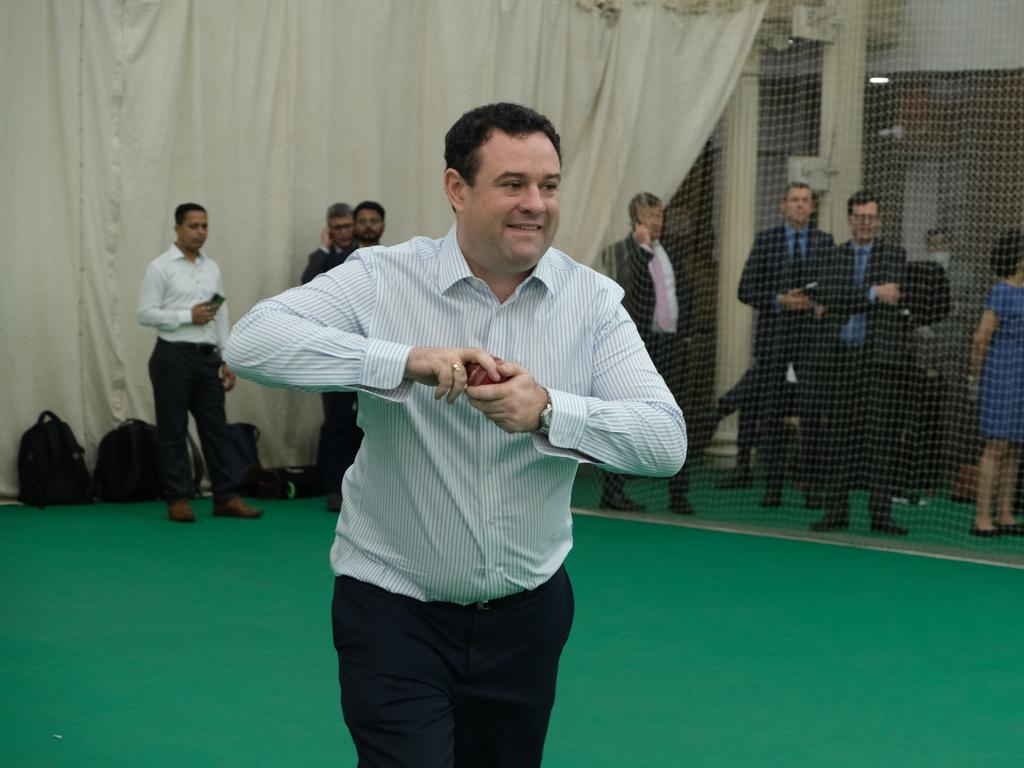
pixel 827 398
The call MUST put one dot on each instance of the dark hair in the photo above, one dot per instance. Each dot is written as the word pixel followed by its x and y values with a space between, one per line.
pixel 642 200
pixel 184 210
pixel 1007 253
pixel 797 185
pixel 473 129
pixel 863 197
pixel 339 211
pixel 368 205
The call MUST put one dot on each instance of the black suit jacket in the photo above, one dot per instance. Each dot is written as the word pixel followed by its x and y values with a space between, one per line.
pixel 782 336
pixel 667 351
pixel 888 332
pixel 321 261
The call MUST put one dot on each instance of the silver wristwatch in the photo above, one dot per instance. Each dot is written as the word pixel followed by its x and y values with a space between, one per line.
pixel 545 416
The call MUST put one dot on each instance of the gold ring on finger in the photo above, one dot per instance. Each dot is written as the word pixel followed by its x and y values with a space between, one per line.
pixel 456 367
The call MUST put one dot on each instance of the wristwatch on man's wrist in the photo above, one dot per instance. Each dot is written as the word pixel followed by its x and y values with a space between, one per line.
pixel 545 415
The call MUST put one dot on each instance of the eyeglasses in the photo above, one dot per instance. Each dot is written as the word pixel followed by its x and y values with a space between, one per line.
pixel 363 222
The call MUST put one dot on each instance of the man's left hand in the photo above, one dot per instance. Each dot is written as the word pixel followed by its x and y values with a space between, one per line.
pixel 514 404
pixel 227 377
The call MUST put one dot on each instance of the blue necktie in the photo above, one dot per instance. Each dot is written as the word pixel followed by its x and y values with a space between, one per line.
pixel 855 332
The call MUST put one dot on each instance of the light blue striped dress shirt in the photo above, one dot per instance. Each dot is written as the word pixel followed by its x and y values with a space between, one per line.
pixel 440 503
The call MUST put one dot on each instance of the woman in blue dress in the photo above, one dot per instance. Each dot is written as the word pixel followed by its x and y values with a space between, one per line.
pixel 998 356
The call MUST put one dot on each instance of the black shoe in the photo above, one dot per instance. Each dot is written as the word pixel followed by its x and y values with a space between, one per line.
pixel 620 503
pixel 885 524
pixel 988 533
pixel 833 521
pixel 738 478
pixel 772 499
pixel 1007 529
pixel 813 501
pixel 681 507
pixel 334 502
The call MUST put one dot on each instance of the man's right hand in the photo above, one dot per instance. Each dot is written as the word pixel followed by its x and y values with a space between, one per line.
pixel 203 313
pixel 325 239
pixel 642 234
pixel 445 368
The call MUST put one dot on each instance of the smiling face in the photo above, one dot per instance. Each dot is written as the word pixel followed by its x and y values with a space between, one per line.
pixel 191 233
pixel 507 218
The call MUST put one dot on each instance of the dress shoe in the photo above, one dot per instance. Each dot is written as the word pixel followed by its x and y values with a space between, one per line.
pixel 235 507
pixel 833 521
pixel 620 503
pixel 986 533
pixel 681 507
pixel 334 502
pixel 772 499
pixel 1009 529
pixel 179 511
pixel 885 524
pixel 738 478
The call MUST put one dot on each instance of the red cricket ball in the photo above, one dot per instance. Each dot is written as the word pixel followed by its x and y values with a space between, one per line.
pixel 476 375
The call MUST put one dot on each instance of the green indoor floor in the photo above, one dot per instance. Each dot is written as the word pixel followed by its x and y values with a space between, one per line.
pixel 126 640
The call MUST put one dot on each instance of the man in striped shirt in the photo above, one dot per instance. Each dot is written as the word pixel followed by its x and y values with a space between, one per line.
pixel 451 604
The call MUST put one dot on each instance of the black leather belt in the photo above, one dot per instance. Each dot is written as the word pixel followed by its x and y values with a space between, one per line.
pixel 203 349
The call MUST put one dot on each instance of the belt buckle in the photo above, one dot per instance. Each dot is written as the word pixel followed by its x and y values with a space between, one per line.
pixel 483 605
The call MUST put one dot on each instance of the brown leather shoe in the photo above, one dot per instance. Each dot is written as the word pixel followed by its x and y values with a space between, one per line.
pixel 179 511
pixel 235 507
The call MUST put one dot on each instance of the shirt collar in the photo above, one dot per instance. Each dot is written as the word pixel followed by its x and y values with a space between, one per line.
pixel 454 268
pixel 790 231
pixel 180 254
pixel 866 247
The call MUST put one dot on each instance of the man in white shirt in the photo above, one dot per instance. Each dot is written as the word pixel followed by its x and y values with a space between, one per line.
pixel 451 603
pixel 182 297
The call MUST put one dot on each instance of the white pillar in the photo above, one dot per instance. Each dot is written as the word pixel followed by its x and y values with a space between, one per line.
pixel 735 236
pixel 843 75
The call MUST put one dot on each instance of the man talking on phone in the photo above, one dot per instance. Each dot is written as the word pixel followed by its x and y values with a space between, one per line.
pixel 182 297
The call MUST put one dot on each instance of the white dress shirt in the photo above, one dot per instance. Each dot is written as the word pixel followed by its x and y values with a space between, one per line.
pixel 440 503
pixel 173 285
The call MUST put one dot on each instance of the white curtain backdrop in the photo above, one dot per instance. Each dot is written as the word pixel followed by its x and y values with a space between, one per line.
pixel 266 111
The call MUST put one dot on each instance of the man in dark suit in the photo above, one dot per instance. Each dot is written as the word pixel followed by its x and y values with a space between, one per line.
pixel 778 281
pixel 340 436
pixel 657 299
pixel 866 351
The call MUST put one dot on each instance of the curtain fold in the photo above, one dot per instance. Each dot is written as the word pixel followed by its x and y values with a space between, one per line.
pixel 267 111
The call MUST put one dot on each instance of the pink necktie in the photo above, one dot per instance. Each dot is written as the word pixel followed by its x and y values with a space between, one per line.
pixel 662 310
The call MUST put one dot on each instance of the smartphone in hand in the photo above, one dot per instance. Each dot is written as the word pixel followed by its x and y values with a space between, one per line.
pixel 216 300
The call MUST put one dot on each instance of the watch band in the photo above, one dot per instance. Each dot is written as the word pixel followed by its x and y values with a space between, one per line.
pixel 545 415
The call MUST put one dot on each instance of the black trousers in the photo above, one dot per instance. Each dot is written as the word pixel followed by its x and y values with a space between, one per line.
pixel 782 399
pixel 186 378
pixel 861 403
pixel 440 685
pixel 340 438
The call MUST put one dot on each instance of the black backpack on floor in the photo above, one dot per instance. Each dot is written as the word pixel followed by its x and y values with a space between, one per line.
pixel 129 468
pixel 51 465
